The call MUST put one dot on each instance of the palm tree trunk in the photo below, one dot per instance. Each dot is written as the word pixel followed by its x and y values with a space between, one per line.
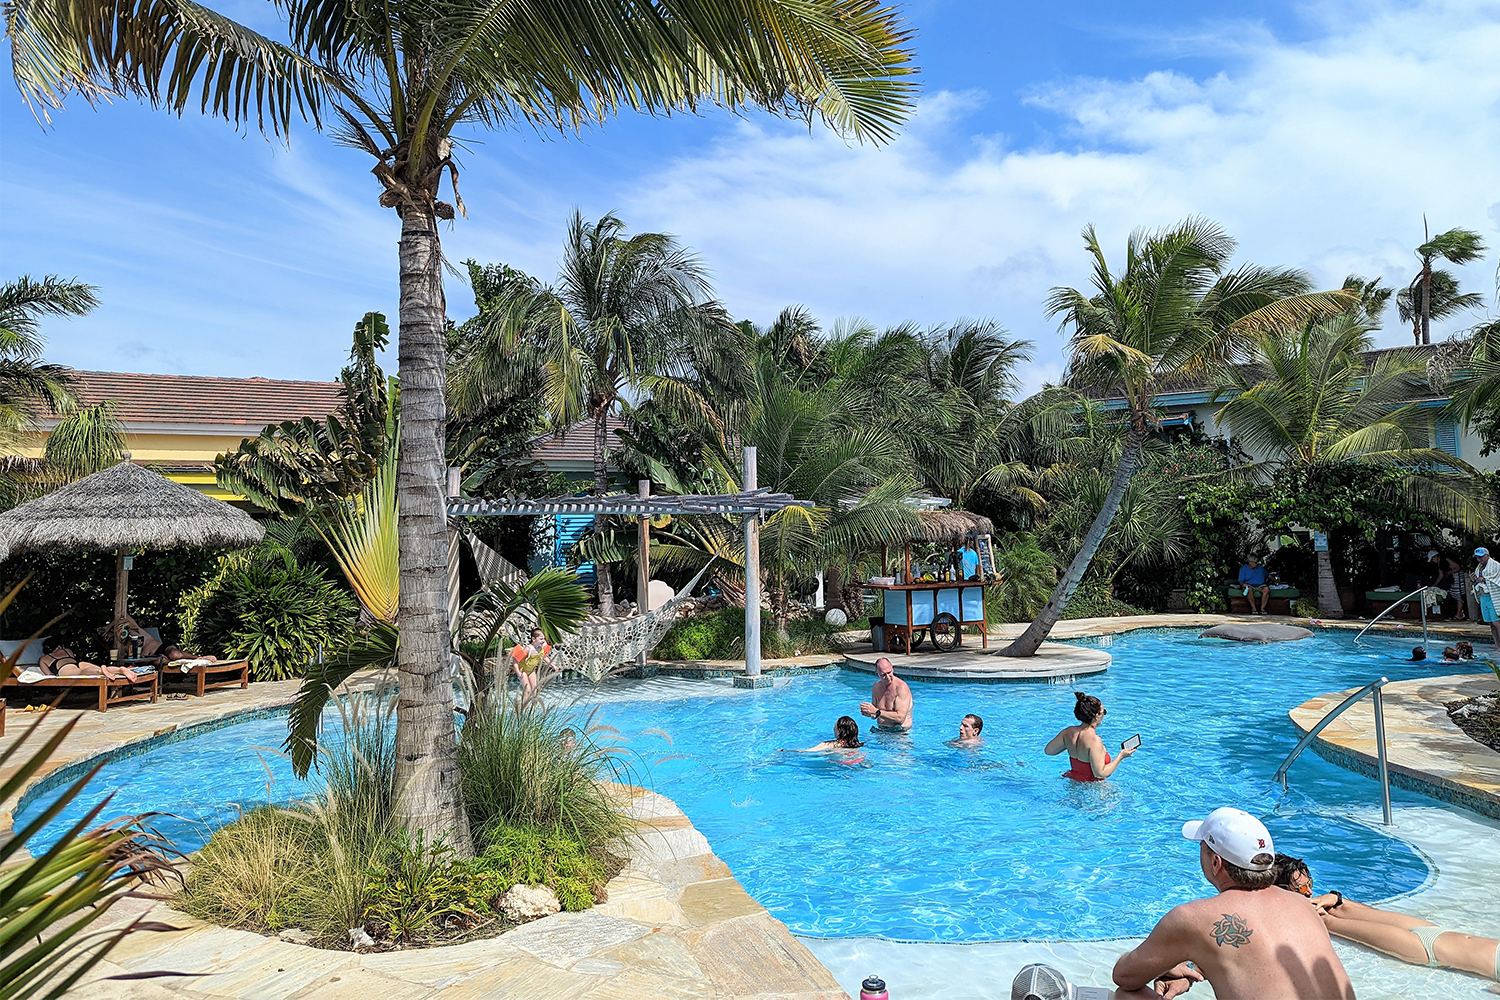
pixel 428 792
pixel 1329 605
pixel 1028 642
pixel 1426 302
pixel 601 487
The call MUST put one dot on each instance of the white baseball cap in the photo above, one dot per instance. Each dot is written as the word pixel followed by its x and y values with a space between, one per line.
pixel 1235 836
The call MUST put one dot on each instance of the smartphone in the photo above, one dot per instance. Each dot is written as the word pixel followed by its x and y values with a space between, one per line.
pixel 1131 743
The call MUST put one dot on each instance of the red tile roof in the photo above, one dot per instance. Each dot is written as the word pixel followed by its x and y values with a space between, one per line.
pixel 200 399
pixel 576 444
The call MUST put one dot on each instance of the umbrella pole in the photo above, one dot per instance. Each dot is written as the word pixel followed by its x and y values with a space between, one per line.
pixel 122 584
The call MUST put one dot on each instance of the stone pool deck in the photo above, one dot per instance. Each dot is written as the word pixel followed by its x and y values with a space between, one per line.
pixel 968 664
pixel 676 926
pixel 1425 751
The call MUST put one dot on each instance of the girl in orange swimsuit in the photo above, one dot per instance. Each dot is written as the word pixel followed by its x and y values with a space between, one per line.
pixel 1089 761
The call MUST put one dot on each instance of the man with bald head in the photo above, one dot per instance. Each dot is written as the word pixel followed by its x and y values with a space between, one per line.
pixel 890 701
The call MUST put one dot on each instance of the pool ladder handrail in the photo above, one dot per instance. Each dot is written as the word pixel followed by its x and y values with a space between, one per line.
pixel 1396 604
pixel 1373 690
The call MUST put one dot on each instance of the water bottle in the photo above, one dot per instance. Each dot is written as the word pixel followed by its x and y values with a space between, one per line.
pixel 873 988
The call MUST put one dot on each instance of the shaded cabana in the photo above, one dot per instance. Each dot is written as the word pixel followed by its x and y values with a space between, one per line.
pixel 123 509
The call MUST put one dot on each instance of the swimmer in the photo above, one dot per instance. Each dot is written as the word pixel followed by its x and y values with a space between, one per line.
pixel 890 700
pixel 1465 649
pixel 1089 761
pixel 968 731
pixel 1410 939
pixel 845 737
pixel 1450 655
pixel 529 662
pixel 1417 654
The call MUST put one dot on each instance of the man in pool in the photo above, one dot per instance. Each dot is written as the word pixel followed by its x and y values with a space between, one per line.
pixel 890 700
pixel 969 729
pixel 1252 941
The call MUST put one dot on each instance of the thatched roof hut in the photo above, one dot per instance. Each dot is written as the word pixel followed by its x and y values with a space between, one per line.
pixel 126 507
pixel 951 526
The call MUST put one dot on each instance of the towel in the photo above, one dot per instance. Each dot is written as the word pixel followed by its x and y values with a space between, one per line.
pixel 31 675
pixel 187 665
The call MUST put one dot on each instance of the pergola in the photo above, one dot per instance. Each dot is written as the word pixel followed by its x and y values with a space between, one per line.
pixel 752 504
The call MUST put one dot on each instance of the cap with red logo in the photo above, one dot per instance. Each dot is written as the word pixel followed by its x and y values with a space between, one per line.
pixel 1235 836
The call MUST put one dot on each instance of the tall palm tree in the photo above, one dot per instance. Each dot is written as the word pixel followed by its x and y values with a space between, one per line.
pixel 1433 293
pixel 29 385
pixel 1175 313
pixel 1311 402
pixel 396 79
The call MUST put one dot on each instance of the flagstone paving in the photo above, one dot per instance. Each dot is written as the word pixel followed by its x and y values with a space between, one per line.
pixel 676 924
pixel 1425 750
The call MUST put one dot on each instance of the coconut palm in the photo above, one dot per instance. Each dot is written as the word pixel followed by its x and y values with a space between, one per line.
pixel 396 80
pixel 1313 402
pixel 1176 312
pixel 1433 293
pixel 29 385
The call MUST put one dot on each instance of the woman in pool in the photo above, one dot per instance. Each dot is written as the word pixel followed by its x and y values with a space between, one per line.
pixel 1089 761
pixel 1465 649
pixel 1410 939
pixel 845 737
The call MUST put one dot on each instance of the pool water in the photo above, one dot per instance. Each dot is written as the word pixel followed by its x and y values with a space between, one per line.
pixel 919 840
pixel 922 841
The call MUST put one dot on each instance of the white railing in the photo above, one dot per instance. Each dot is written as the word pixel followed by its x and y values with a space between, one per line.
pixel 1393 607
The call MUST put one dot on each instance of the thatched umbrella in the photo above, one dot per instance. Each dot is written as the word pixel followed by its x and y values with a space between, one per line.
pixel 124 508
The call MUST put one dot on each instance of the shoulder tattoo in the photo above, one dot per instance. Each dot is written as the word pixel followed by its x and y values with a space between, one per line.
pixel 1232 930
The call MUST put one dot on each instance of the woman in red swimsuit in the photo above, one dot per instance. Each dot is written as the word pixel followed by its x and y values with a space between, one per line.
pixel 1089 761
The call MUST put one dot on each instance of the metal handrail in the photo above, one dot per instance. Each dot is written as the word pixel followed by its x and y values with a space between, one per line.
pixel 1373 690
pixel 1421 590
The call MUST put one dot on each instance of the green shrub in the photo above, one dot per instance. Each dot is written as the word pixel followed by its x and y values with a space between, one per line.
pixel 1027 576
pixel 1304 607
pixel 720 635
pixel 273 611
pixel 1092 599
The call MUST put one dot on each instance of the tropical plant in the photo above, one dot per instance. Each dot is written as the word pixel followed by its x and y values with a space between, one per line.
pixel 299 465
pixel 1433 293
pixel 362 535
pixel 50 898
pixel 1315 406
pixel 399 79
pixel 86 440
pixel 1174 312
pixel 29 385
pixel 1027 575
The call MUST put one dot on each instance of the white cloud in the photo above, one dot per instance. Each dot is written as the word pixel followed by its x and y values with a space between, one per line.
pixel 1322 155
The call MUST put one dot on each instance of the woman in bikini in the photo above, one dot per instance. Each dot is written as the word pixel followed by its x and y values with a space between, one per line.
pixel 1410 939
pixel 1088 760
pixel 845 737
pixel 62 663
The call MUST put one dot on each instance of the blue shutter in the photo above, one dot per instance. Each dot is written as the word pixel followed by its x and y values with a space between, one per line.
pixel 1445 437
pixel 567 529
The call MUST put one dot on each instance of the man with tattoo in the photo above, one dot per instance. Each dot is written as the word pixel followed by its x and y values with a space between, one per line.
pixel 1253 941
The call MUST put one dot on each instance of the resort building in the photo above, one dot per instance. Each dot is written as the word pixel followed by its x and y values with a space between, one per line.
pixel 178 424
pixel 571 454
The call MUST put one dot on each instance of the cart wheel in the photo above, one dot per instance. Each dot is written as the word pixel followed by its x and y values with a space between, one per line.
pixel 917 635
pixel 947 633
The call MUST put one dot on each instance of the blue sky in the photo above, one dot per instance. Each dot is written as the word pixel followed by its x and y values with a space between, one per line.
pixel 1318 134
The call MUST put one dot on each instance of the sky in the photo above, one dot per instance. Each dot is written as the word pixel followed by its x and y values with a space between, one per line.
pixel 1317 134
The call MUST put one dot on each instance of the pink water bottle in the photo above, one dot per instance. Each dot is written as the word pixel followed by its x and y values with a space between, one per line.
pixel 873 988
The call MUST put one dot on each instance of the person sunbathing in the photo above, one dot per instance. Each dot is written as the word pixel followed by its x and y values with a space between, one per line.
pixel 62 663
pixel 1411 939
pixel 150 645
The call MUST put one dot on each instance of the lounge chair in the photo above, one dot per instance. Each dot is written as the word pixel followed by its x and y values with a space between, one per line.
pixel 111 692
pixel 207 674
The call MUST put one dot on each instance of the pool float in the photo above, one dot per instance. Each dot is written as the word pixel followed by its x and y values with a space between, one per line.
pixel 1256 632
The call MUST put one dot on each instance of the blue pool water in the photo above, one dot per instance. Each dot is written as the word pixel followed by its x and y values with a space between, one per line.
pixel 923 841
pixel 927 842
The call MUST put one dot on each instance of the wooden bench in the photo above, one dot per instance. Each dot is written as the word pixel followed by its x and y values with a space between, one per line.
pixel 110 692
pixel 237 671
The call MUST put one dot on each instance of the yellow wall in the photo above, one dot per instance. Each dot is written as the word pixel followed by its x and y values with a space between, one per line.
pixel 175 449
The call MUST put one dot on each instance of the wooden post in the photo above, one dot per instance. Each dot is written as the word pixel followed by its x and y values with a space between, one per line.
pixel 752 574
pixel 643 562
pixel 122 586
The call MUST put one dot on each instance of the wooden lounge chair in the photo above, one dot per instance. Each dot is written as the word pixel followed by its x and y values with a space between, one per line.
pixel 118 692
pixel 224 673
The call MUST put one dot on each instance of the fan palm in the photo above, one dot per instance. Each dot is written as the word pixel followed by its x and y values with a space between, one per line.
pixel 396 79
pixel 27 383
pixel 1433 293
pixel 1175 313
pixel 1312 401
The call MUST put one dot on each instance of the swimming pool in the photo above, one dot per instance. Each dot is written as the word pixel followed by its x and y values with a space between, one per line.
pixel 923 841
pixel 928 842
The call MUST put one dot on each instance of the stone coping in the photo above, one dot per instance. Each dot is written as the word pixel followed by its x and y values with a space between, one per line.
pixel 1425 751
pixel 676 925
pixel 966 664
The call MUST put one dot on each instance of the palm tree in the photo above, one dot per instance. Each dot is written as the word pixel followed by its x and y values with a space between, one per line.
pixel 1312 403
pixel 396 79
pixel 1174 313
pixel 1433 293
pixel 28 384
